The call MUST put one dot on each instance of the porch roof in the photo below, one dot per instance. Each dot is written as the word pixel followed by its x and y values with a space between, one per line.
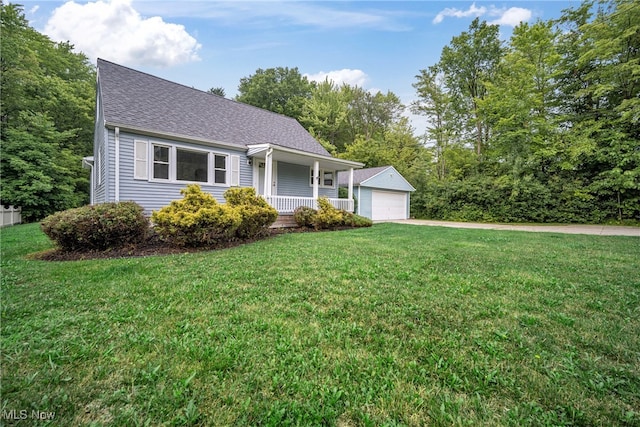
pixel 289 155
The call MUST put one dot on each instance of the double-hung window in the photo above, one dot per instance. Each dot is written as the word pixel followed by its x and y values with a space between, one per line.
pixel 327 178
pixel 177 164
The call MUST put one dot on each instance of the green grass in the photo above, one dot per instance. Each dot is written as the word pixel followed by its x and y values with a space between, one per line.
pixel 391 325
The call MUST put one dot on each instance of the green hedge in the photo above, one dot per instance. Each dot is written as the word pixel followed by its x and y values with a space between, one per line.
pixel 98 227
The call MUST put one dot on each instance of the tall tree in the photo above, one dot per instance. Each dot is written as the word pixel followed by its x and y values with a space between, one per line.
pixel 435 103
pixel 47 105
pixel 521 102
pixel 325 116
pixel 468 63
pixel 282 90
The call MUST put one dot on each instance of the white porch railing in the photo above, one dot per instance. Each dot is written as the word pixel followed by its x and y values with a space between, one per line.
pixel 287 204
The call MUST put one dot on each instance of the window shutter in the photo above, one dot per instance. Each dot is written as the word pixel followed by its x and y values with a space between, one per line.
pixel 141 171
pixel 235 171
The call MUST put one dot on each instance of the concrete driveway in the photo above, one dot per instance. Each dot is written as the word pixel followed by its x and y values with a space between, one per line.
pixel 600 230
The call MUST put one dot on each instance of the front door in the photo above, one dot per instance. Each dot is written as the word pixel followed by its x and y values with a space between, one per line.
pixel 258 171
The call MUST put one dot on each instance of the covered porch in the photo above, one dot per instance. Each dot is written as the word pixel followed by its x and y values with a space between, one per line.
pixel 289 178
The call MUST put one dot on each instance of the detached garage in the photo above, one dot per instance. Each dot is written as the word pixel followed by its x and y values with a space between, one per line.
pixel 381 193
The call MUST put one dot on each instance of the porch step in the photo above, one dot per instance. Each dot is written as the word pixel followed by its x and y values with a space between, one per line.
pixel 285 221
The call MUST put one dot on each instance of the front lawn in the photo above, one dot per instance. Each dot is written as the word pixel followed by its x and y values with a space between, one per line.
pixel 389 325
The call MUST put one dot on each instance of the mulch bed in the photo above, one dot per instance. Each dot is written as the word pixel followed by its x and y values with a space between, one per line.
pixel 154 246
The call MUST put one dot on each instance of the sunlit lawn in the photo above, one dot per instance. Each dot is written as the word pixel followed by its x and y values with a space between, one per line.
pixel 391 325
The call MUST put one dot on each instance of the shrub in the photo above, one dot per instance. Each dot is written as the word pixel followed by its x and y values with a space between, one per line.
pixel 305 216
pixel 103 226
pixel 196 220
pixel 327 216
pixel 255 213
pixel 354 220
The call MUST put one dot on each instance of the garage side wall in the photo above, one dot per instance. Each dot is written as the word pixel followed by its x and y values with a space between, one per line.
pixel 364 196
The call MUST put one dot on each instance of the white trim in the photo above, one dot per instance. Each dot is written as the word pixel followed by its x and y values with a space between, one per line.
pixel 230 175
pixel 234 179
pixel 316 178
pixel 117 165
pixel 257 148
pixel 320 177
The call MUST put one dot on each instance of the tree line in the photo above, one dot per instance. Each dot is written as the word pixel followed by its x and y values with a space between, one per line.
pixel 543 127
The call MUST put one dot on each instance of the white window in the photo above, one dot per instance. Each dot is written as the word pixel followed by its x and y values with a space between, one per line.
pixel 161 162
pixel 327 178
pixel 177 164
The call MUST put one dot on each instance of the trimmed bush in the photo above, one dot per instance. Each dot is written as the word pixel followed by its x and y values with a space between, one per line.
pixel 305 216
pixel 354 220
pixel 196 220
pixel 255 213
pixel 328 216
pixel 98 227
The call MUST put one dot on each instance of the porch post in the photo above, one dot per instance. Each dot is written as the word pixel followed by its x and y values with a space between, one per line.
pixel 268 165
pixel 316 178
pixel 350 194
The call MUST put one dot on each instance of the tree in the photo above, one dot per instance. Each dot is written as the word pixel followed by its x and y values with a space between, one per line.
pixel 281 90
pixel 435 103
pixel 325 116
pixel 47 106
pixel 33 167
pixel 217 91
pixel 521 103
pixel 468 63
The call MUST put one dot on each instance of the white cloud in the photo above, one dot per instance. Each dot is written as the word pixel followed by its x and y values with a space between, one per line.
pixel 34 9
pixel 115 31
pixel 513 17
pixel 457 13
pixel 346 75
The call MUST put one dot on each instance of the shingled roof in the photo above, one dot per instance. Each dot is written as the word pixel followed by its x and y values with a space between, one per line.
pixel 141 101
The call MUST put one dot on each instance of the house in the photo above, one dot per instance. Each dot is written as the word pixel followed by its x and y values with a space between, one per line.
pixel 153 137
pixel 382 193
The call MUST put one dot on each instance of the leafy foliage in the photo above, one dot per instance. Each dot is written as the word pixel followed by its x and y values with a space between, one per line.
pixel 46 112
pixel 555 114
pixel 328 216
pixel 256 214
pixel 305 216
pixel 99 227
pixel 282 90
pixel 196 220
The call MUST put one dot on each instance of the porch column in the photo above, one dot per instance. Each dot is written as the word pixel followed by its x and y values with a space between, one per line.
pixel 350 193
pixel 268 168
pixel 316 178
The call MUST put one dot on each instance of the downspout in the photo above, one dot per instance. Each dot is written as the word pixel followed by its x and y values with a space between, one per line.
pixel 117 165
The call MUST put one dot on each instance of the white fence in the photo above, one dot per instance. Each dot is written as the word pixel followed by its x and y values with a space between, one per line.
pixel 10 215
pixel 287 204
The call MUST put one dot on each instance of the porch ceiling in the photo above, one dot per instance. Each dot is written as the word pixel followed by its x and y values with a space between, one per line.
pixel 282 154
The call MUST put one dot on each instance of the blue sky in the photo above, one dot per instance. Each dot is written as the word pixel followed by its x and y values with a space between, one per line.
pixel 378 45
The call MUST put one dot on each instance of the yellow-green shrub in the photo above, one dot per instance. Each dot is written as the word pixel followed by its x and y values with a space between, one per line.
pixel 255 213
pixel 328 216
pixel 196 220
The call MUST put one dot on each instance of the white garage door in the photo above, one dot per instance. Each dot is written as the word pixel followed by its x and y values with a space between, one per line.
pixel 388 205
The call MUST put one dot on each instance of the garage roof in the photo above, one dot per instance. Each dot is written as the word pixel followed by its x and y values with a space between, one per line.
pixel 382 177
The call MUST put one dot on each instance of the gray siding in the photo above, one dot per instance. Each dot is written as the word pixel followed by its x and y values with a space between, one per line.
pixel 154 195
pixel 294 180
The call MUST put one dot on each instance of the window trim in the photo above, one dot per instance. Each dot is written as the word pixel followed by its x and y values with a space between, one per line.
pixel 321 173
pixel 232 174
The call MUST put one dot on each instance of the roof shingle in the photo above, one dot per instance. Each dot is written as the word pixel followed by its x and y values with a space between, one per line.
pixel 142 101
